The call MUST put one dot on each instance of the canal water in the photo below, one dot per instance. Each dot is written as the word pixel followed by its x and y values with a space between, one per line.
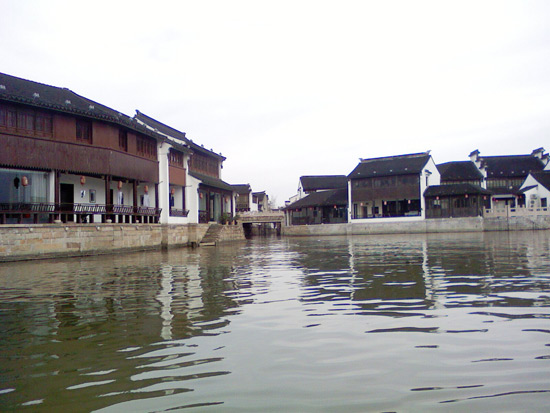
pixel 408 323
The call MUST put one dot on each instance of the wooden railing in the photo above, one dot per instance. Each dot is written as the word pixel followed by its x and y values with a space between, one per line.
pixel 178 212
pixel 49 212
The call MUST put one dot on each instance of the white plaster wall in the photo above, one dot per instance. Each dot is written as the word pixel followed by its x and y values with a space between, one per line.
pixel 192 199
pixel 164 179
pixel 434 178
pixel 539 191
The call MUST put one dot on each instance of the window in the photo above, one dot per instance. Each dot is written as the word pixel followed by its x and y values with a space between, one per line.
pixel 146 147
pixel 175 158
pixel 83 131
pixel 26 121
pixel 123 140
pixel 543 202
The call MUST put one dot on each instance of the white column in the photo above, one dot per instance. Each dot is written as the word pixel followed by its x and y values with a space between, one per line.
pixel 164 182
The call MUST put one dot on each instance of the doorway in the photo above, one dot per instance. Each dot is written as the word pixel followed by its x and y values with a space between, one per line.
pixel 66 192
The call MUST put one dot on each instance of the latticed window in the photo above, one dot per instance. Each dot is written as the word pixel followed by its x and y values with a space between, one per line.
pixel 84 130
pixel 26 121
pixel 176 158
pixel 123 140
pixel 146 147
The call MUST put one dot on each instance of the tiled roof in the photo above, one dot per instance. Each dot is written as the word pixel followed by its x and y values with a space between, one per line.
pixel 321 182
pixel 331 197
pixel 211 181
pixel 459 171
pixel 174 133
pixel 455 189
pixel 391 165
pixel 512 166
pixel 242 188
pixel 543 178
pixel 16 90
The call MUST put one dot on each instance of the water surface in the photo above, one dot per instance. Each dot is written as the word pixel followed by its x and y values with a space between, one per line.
pixel 376 323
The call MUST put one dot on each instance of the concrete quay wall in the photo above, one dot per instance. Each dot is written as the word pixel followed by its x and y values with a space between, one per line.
pixel 444 225
pixel 21 242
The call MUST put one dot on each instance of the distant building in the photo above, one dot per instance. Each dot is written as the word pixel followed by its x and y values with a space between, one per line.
pixel 391 187
pixel 461 172
pixel 323 207
pixel 504 175
pixel 536 190
pixel 315 183
pixel 260 201
pixel 243 197
pixel 456 200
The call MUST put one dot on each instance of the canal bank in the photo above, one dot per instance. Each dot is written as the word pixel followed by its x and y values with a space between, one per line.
pixel 22 242
pixel 444 225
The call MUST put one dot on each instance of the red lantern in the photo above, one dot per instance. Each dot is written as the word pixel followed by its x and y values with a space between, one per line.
pixel 466 196
pixel 24 181
pixel 201 195
pixel 172 191
pixel 82 180
pixel 119 186
pixel 146 189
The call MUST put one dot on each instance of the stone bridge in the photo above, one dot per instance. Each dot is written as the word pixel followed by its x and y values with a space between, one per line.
pixel 276 217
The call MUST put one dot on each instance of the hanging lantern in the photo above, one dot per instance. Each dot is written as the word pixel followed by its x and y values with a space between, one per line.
pixel 201 195
pixel 119 186
pixel 146 189
pixel 172 191
pixel 437 197
pixel 408 201
pixel 82 180
pixel 24 181
pixel 466 196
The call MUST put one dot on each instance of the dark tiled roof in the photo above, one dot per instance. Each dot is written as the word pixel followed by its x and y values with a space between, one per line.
pixel 543 178
pixel 16 90
pixel 512 166
pixel 242 188
pixel 210 181
pixel 321 182
pixel 455 189
pixel 331 197
pixel 459 171
pixel 391 165
pixel 168 130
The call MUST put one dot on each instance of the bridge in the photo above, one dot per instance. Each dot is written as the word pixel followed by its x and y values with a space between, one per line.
pixel 265 217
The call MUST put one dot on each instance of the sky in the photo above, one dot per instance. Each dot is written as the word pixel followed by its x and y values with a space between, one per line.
pixel 284 89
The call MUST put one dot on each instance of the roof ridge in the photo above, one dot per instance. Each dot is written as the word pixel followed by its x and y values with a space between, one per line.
pixel 393 157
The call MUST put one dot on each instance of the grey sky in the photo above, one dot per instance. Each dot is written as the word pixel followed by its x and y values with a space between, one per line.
pixel 291 88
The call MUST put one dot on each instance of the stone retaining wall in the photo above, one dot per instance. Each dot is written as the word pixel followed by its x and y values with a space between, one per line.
pixel 20 242
pixel 445 225
pixel 232 233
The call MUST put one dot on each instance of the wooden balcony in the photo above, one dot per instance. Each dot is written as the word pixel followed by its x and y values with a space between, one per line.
pixel 23 212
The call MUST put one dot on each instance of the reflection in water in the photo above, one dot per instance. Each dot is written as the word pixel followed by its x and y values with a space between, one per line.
pixel 379 323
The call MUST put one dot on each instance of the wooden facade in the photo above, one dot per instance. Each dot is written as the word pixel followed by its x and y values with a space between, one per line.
pixel 94 162
pixel 456 201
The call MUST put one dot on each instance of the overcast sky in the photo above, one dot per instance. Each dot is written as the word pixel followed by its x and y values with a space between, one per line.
pixel 291 88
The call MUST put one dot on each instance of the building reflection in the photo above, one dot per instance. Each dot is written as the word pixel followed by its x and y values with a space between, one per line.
pixel 396 275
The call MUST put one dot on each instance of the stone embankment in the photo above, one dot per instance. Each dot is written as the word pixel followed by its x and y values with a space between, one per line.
pixel 21 242
pixel 449 225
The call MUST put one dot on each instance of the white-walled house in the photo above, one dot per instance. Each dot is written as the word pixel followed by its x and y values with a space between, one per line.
pixel 390 189
pixel 536 189
pixel 196 192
